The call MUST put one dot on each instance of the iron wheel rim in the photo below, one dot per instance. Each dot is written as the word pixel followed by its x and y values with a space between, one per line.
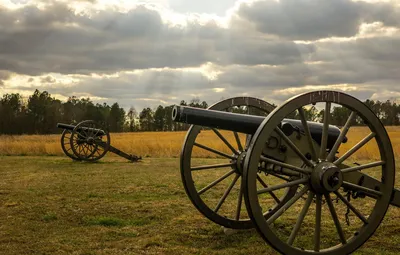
pixel 186 172
pixel 66 145
pixel 95 152
pixel 266 128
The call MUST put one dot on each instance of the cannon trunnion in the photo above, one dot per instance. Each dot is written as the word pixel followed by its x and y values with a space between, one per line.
pixel 305 194
pixel 88 141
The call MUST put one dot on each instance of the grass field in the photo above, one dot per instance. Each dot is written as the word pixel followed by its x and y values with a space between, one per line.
pixel 51 205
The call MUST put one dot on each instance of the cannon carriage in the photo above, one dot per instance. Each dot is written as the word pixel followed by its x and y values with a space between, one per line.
pixel 89 141
pixel 292 180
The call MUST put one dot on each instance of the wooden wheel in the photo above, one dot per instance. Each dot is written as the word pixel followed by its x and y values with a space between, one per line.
pixel 90 141
pixel 66 145
pixel 214 185
pixel 317 224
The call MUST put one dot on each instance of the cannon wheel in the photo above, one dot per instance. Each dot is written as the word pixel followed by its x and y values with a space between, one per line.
pixel 236 220
pixel 302 228
pixel 90 145
pixel 66 145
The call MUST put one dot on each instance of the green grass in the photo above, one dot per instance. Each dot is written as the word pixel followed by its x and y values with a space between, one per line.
pixel 52 205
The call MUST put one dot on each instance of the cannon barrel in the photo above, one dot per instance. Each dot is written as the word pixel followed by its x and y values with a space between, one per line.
pixel 71 127
pixel 248 124
pixel 65 126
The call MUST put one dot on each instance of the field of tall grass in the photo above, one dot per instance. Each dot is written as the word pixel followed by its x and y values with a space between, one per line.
pixel 169 144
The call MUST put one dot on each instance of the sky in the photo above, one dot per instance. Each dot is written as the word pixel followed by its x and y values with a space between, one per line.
pixel 147 53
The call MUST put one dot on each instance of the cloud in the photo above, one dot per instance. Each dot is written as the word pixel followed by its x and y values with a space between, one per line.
pixel 47 79
pixel 4 75
pixel 386 95
pixel 149 55
pixel 169 86
pixel 54 39
pixel 303 19
pixel 314 19
pixel 205 6
pixel 358 61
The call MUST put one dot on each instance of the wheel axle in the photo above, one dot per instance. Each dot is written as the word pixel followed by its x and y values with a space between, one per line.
pixel 326 177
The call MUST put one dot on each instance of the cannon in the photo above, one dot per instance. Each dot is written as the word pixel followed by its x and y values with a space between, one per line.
pixel 302 192
pixel 89 141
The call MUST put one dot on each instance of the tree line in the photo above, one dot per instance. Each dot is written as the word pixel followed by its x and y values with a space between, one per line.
pixel 39 113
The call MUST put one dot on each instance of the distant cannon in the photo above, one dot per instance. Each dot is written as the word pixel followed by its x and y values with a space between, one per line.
pixel 88 141
pixel 301 193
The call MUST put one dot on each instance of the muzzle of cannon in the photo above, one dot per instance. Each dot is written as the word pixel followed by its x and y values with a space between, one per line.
pixel 88 141
pixel 299 185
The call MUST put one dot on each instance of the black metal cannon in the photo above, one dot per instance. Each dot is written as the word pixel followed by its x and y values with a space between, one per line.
pixel 297 185
pixel 249 124
pixel 88 141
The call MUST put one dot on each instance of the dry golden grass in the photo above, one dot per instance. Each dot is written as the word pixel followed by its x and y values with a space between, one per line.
pixel 169 144
pixel 370 150
pixel 147 144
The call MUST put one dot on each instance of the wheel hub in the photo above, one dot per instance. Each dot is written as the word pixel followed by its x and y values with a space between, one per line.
pixel 326 177
pixel 90 140
pixel 239 160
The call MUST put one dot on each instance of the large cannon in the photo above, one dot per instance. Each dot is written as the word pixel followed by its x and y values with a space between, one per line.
pixel 89 141
pixel 303 193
